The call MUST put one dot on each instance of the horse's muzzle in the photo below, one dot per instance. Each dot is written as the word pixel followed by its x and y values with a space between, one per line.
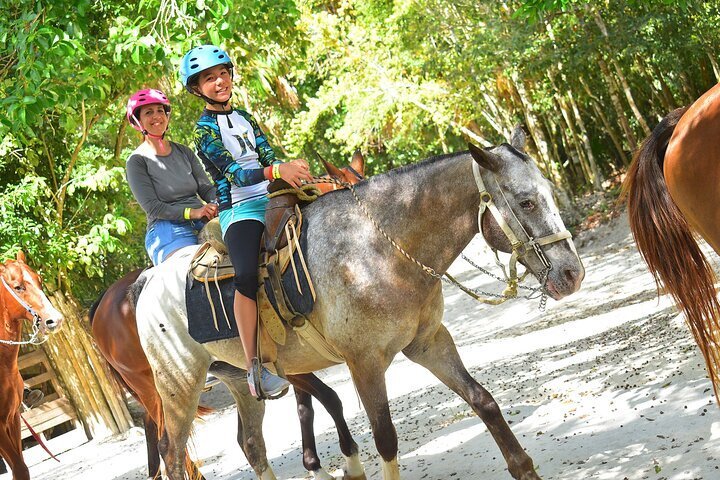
pixel 565 281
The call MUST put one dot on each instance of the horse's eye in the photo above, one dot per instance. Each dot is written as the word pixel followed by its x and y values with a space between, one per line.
pixel 20 288
pixel 527 204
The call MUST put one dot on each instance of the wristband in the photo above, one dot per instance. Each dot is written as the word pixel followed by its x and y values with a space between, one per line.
pixel 276 171
pixel 186 213
pixel 267 173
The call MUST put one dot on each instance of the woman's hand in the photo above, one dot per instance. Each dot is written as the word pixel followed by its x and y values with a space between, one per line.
pixel 294 172
pixel 207 212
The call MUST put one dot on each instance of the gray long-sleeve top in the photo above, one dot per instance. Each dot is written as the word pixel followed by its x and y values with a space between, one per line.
pixel 165 185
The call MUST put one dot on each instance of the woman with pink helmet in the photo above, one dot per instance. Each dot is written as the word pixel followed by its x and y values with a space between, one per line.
pixel 166 179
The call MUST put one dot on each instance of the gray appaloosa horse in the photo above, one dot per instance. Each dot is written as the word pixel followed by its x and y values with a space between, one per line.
pixel 372 301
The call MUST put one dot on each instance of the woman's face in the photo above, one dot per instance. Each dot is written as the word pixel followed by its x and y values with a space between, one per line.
pixel 153 118
pixel 216 83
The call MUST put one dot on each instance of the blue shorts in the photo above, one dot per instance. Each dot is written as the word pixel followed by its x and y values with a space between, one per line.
pixel 166 236
pixel 250 210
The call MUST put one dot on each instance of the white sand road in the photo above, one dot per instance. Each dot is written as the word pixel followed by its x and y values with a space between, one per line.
pixel 606 384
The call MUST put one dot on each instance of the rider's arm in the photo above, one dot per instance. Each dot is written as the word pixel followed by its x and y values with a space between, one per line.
pixel 211 149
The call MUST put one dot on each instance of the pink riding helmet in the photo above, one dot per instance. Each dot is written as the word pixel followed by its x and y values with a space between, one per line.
pixel 148 96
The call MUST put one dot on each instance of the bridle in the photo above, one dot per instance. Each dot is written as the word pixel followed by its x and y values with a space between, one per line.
pixel 37 320
pixel 519 248
pixel 522 243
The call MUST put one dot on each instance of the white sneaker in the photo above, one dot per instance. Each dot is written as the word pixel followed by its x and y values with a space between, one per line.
pixel 270 384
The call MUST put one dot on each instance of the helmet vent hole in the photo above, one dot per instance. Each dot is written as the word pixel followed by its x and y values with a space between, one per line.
pixel 194 65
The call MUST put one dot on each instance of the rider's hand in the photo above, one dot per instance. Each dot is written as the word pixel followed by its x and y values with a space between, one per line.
pixel 294 172
pixel 206 212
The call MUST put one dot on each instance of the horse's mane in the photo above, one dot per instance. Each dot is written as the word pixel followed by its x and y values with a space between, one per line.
pixel 405 169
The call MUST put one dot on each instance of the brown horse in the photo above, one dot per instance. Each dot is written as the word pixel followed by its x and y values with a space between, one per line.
pixel 672 190
pixel 21 298
pixel 112 319
pixel 352 174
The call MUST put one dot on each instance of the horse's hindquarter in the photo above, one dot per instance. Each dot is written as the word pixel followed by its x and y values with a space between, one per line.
pixel 692 166
pixel 162 317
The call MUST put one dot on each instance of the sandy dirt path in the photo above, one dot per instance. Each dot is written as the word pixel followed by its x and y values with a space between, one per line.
pixel 606 384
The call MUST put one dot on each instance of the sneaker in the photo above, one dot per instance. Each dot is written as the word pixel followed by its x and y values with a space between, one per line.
pixel 270 383
pixel 32 398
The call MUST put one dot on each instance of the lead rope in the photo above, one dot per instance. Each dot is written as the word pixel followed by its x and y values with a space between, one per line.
pixel 509 292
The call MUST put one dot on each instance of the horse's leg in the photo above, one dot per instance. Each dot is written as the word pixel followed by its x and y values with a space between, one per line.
pixel 179 386
pixel 308 384
pixel 369 377
pixel 250 418
pixel 151 443
pixel 439 355
pixel 11 449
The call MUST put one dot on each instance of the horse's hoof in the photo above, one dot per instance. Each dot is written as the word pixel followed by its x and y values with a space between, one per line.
pixel 321 474
pixel 356 477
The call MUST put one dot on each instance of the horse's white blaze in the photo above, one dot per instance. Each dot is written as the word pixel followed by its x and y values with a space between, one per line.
pixel 353 466
pixel 47 309
pixel 391 469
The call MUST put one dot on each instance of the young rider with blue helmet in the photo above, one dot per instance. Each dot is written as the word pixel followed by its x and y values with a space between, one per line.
pixel 240 161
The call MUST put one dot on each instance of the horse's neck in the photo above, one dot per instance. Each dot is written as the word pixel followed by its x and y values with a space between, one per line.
pixel 10 329
pixel 431 209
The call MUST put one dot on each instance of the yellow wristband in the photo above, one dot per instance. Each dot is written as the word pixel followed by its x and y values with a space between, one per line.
pixel 276 171
pixel 186 214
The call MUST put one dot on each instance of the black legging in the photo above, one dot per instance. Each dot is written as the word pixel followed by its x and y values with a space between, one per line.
pixel 243 242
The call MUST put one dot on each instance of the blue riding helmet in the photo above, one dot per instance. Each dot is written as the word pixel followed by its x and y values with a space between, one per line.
pixel 199 59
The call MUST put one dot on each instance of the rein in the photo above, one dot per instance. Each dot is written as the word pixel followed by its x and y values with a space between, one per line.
pixel 36 320
pixel 520 248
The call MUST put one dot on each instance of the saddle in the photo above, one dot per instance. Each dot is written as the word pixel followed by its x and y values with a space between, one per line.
pixel 286 294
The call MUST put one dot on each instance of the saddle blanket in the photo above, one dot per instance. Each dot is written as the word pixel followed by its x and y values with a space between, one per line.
pixel 201 323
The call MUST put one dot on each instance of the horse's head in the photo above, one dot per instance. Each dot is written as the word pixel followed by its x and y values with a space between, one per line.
pixel 521 217
pixel 352 174
pixel 22 295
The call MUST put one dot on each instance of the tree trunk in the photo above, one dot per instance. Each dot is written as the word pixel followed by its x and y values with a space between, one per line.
pixel 714 63
pixel 615 100
pixel 98 399
pixel 630 99
pixel 606 123
pixel 670 104
pixel 592 164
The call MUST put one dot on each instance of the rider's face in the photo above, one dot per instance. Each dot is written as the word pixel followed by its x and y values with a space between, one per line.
pixel 153 118
pixel 216 83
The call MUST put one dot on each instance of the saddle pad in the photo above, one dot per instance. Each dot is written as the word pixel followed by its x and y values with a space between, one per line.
pixel 201 324
pixel 200 318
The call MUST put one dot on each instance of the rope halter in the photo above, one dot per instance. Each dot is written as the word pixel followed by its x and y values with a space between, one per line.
pixel 37 320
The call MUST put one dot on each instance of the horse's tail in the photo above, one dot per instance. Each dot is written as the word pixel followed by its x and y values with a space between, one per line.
pixel 668 246
pixel 95 306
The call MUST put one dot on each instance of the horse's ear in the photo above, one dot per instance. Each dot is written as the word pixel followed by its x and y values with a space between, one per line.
pixel 358 162
pixel 331 169
pixel 485 159
pixel 20 256
pixel 518 138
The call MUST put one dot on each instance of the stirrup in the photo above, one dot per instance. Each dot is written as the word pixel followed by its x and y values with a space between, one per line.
pixel 256 369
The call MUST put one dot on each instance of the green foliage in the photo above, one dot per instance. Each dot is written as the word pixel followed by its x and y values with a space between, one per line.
pixel 400 80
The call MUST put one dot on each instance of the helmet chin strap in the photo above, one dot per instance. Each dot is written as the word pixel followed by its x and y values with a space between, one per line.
pixel 215 102
pixel 151 135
